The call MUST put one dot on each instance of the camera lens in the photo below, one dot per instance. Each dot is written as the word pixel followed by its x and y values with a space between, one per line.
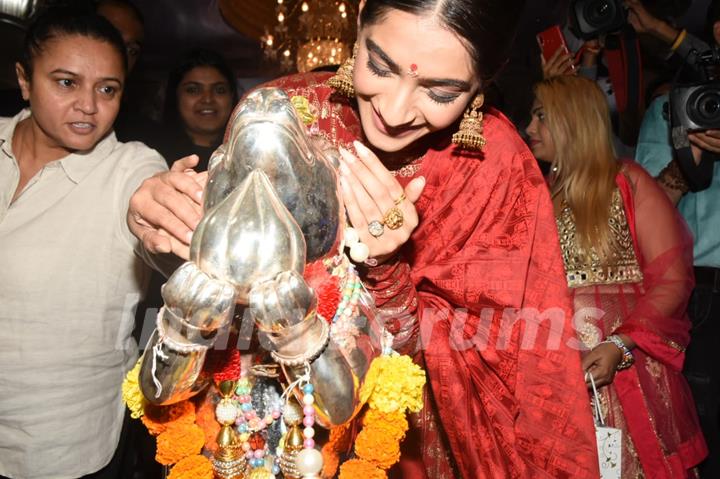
pixel 599 13
pixel 708 106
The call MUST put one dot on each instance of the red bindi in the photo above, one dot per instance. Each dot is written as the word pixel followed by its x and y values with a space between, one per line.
pixel 413 67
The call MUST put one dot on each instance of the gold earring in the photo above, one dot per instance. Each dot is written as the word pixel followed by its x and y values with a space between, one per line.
pixel 342 81
pixel 469 136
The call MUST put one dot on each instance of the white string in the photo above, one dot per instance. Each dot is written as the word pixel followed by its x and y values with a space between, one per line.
pixel 598 408
pixel 157 351
pixel 304 378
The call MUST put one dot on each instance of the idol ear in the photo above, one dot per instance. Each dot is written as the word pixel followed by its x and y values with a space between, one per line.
pixel 23 81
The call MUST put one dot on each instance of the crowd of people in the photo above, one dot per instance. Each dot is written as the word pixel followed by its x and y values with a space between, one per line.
pixel 619 237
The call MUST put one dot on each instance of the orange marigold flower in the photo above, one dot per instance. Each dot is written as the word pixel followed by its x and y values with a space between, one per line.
pixel 158 418
pixel 394 423
pixel 207 421
pixel 192 467
pixel 340 437
pixel 331 460
pixel 375 445
pixel 178 442
pixel 357 468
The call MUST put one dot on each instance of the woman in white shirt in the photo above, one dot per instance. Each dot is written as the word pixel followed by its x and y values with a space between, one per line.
pixel 69 278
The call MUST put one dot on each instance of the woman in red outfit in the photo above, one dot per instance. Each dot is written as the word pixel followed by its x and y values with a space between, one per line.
pixel 476 243
pixel 627 253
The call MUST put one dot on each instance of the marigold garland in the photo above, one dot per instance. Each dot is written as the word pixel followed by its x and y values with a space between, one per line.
pixel 192 467
pixel 339 441
pixel 357 468
pixel 206 419
pixel 393 386
pixel 331 461
pixel 394 383
pixel 376 446
pixel 131 394
pixel 157 419
pixel 178 442
pixel 393 424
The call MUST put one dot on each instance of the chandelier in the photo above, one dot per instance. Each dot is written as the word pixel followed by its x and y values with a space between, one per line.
pixel 310 34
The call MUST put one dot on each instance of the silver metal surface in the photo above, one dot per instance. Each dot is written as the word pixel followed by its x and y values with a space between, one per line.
pixel 179 374
pixel 247 236
pixel 266 134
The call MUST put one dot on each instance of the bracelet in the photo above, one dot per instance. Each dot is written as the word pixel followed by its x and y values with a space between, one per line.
pixel 678 40
pixel 672 177
pixel 627 356
pixel 300 343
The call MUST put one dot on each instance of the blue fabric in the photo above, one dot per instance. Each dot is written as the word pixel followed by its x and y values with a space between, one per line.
pixel 701 210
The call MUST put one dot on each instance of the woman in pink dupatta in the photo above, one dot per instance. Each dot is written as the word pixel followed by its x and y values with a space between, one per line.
pixel 628 260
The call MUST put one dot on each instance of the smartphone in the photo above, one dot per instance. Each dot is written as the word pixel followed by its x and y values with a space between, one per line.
pixel 550 40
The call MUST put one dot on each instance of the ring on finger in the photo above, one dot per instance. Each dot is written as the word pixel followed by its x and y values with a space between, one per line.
pixel 400 199
pixel 376 228
pixel 394 219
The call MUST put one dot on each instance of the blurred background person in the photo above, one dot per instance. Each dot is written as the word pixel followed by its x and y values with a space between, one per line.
pixel 128 20
pixel 626 252
pixel 201 93
pixel 131 124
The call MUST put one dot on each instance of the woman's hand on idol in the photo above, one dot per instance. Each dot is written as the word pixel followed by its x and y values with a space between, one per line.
pixel 561 63
pixel 167 207
pixel 602 363
pixel 375 201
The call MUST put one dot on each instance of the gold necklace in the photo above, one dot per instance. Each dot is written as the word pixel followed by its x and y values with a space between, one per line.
pixel 409 169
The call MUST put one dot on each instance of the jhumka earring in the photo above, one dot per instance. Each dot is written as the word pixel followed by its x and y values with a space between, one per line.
pixel 342 81
pixel 470 136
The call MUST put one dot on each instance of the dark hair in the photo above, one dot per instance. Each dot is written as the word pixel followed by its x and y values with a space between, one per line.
pixel 487 27
pixel 124 3
pixel 193 59
pixel 66 21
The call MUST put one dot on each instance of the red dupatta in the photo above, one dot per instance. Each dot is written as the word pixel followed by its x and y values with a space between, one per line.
pixel 667 436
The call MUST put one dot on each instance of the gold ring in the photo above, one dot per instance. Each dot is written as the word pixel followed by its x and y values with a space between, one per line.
pixel 400 199
pixel 393 219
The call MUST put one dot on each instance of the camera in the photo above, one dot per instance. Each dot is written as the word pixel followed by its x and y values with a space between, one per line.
pixel 592 18
pixel 696 106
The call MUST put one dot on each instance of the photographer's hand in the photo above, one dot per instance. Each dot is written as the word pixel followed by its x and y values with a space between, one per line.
pixel 591 50
pixel 708 140
pixel 645 22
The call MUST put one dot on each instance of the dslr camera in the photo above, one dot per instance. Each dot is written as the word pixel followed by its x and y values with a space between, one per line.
pixel 696 106
pixel 591 18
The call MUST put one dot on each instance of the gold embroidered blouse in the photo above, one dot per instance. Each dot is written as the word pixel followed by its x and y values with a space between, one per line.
pixel 584 270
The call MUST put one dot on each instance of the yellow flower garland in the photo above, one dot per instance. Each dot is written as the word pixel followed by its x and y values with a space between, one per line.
pixel 133 398
pixel 393 386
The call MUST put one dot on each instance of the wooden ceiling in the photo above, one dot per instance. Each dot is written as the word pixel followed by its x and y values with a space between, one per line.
pixel 248 17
